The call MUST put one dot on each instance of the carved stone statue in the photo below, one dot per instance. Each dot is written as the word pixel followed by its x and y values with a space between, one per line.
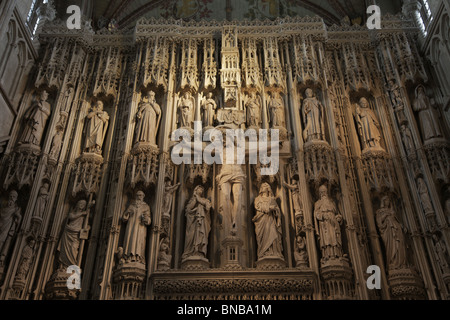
pixel 368 125
pixel 407 138
pixel 328 221
pixel 198 225
pixel 36 118
pixel 96 125
pixel 147 120
pixel 230 181
pixel 41 200
pixel 137 218
pixel 56 145
pixel 185 110
pixel 429 122
pixel 441 253
pixel 313 115
pixel 276 108
pixel 26 259
pixel 424 196
pixel 295 195
pixel 253 106
pixel 267 222
pixel 168 196
pixel 10 218
pixel 392 235
pixel 69 244
pixel 209 107
pixel 164 258
pixel 300 253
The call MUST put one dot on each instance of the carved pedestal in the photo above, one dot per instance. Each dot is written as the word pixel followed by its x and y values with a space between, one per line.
pixel 405 284
pixel 128 281
pixel 56 288
pixel 231 252
pixel 337 276
pixel 270 263
pixel 195 263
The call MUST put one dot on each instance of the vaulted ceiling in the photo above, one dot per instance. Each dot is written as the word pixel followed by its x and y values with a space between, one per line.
pixel 126 12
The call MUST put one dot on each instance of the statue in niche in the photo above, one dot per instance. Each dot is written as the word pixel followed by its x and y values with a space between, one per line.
pixel 295 195
pixel 168 196
pixel 424 196
pixel 328 228
pixel 41 200
pixel 407 138
pixel 164 258
pixel 441 252
pixel 313 115
pixel 368 125
pixel 392 235
pixel 26 258
pixel 67 100
pixel 55 148
pixel 36 118
pixel 198 225
pixel 10 218
pixel 267 222
pixel 137 218
pixel 300 253
pixel 253 106
pixel 69 244
pixel 96 125
pixel 230 180
pixel 276 108
pixel 148 117
pixel 185 110
pixel 209 107
pixel 429 122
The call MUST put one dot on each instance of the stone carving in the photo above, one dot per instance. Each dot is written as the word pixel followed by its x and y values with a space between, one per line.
pixel 276 108
pixel 267 222
pixel 198 226
pixel 253 106
pixel 148 117
pixel 429 122
pixel 368 125
pixel 96 125
pixel 441 253
pixel 313 115
pixel 169 190
pixel 137 218
pixel 230 181
pixel 328 226
pixel 69 244
pixel 41 201
pixel 185 110
pixel 26 259
pixel 10 218
pixel 36 117
pixel 209 107
pixel 164 257
pixel 295 195
pixel 300 253
pixel 424 197
pixel 55 147
pixel 392 234
pixel 407 138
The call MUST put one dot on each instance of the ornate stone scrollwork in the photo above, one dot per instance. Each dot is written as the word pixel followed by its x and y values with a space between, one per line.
pixel 143 165
pixel 378 170
pixel 87 173
pixel 22 166
pixel 320 163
